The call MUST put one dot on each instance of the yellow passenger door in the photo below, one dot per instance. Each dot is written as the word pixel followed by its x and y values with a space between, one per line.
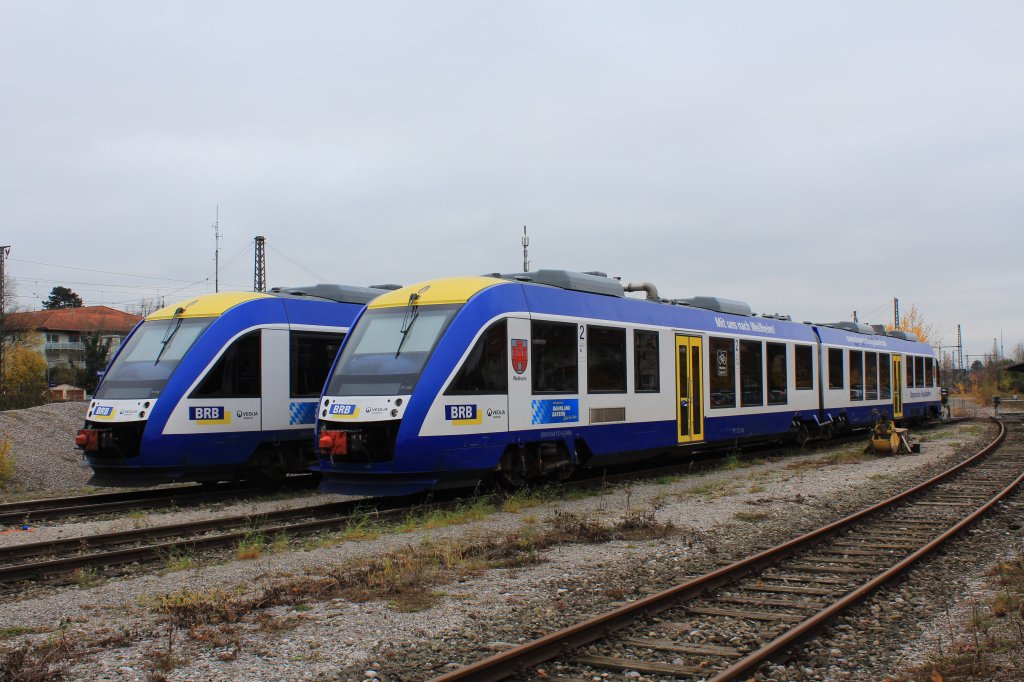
pixel 689 389
pixel 897 385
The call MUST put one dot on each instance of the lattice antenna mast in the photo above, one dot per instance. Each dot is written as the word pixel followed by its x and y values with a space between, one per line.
pixel 216 251
pixel 526 243
pixel 259 280
pixel 959 347
pixel 896 313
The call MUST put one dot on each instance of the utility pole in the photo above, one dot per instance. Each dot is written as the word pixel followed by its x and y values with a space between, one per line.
pixel 896 313
pixel 526 243
pixel 259 280
pixel 855 316
pixel 216 251
pixel 4 251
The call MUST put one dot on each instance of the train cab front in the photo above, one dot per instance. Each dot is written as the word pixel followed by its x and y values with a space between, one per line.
pixel 118 431
pixel 367 419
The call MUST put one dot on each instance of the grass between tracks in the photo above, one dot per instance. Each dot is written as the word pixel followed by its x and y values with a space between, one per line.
pixel 406 578
pixel 991 646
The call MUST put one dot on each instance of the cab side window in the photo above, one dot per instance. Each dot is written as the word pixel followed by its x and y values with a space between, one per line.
pixel 237 372
pixel 311 355
pixel 485 370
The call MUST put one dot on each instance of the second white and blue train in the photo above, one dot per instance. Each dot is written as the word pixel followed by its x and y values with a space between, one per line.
pixel 222 386
pixel 530 376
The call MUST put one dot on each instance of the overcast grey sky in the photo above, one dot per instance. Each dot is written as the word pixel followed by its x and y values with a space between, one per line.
pixel 810 158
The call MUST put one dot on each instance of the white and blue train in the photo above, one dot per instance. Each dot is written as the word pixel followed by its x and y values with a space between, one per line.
pixel 529 376
pixel 220 387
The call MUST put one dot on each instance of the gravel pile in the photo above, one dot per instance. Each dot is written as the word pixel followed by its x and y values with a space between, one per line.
pixel 722 516
pixel 43 442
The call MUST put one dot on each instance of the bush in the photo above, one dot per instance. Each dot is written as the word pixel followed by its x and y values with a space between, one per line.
pixel 6 459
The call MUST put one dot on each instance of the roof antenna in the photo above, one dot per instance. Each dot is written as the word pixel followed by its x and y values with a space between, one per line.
pixel 526 243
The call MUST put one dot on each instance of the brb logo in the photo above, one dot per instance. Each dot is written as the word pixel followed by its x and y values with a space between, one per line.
pixel 343 410
pixel 462 415
pixel 103 412
pixel 209 415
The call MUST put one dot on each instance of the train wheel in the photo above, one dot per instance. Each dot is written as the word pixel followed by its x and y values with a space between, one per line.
pixel 535 463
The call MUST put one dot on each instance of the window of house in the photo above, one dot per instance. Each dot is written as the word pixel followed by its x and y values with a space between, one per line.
pixel 804 356
pixel 237 372
pixel 646 373
pixel 606 360
pixel 721 354
pixel 856 375
pixel 311 355
pixel 778 377
pixel 870 376
pixel 751 373
pixel 835 368
pixel 485 370
pixel 555 357
pixel 884 376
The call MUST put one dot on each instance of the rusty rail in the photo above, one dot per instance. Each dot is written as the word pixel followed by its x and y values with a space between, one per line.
pixel 507 663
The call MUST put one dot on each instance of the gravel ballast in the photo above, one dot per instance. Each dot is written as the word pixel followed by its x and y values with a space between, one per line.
pixel 720 516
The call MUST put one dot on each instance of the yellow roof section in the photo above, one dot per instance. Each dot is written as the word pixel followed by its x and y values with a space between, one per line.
pixel 207 305
pixel 436 291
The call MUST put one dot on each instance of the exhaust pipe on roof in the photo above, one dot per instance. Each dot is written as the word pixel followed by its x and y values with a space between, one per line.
pixel 652 291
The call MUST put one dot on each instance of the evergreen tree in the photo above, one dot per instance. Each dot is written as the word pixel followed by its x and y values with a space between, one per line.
pixel 62 297
pixel 96 350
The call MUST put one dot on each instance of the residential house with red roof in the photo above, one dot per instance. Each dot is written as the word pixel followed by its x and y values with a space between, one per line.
pixel 62 330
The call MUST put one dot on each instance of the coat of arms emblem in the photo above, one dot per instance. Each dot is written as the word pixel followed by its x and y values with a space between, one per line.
pixel 520 355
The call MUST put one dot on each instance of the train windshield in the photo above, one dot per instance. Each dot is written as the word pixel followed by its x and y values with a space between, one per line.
pixel 387 349
pixel 149 358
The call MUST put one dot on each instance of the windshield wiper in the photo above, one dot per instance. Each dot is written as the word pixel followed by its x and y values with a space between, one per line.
pixel 169 334
pixel 410 317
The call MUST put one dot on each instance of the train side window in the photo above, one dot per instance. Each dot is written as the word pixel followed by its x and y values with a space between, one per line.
pixel 485 370
pixel 778 375
pixel 884 376
pixel 721 356
pixel 835 368
pixel 929 374
pixel 856 375
pixel 646 377
pixel 751 373
pixel 804 356
pixel 918 372
pixel 237 372
pixel 606 360
pixel 555 357
pixel 870 376
pixel 908 360
pixel 311 355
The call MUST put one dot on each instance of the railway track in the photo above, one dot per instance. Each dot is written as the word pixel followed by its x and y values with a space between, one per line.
pixel 34 511
pixel 56 561
pixel 724 625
